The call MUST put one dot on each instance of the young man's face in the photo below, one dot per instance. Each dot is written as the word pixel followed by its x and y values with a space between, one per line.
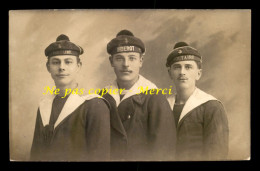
pixel 63 69
pixel 126 65
pixel 185 74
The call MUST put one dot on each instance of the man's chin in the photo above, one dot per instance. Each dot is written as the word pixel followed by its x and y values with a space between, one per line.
pixel 183 86
pixel 125 78
pixel 62 83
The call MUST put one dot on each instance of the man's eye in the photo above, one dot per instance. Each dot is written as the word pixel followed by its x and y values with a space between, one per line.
pixel 132 58
pixel 188 67
pixel 119 59
pixel 69 62
pixel 55 62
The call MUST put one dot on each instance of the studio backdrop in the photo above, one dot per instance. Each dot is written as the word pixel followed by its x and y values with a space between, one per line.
pixel 222 37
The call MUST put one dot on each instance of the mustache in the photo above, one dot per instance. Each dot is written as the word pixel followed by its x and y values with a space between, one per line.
pixel 62 74
pixel 126 70
pixel 182 78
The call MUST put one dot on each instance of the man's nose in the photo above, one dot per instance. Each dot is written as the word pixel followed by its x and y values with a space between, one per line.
pixel 126 63
pixel 182 71
pixel 62 66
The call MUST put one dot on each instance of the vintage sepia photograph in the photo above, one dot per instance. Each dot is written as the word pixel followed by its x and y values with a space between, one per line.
pixel 130 85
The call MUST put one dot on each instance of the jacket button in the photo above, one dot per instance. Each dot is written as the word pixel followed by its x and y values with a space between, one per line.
pixel 129 116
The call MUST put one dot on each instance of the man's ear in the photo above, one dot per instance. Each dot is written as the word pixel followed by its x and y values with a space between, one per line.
pixel 170 75
pixel 199 74
pixel 79 65
pixel 48 66
pixel 111 61
pixel 141 60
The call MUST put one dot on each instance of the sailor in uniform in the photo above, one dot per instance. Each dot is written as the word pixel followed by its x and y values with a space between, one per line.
pixel 142 125
pixel 72 127
pixel 201 121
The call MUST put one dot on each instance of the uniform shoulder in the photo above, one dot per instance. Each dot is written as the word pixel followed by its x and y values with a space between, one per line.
pixel 96 109
pixel 96 101
pixel 213 107
pixel 215 112
pixel 213 104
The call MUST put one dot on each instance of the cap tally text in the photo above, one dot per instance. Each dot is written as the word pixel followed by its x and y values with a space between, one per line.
pixel 186 57
pixel 127 49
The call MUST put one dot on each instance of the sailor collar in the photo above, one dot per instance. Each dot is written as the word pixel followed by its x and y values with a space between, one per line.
pixel 72 103
pixel 135 89
pixel 197 98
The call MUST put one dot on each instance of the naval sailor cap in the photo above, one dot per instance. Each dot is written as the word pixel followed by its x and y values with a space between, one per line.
pixel 63 46
pixel 125 41
pixel 183 52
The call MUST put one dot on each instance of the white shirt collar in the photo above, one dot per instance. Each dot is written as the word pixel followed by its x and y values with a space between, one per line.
pixel 135 89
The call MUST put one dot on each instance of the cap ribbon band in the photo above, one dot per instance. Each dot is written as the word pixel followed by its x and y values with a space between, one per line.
pixel 126 49
pixel 63 52
pixel 186 57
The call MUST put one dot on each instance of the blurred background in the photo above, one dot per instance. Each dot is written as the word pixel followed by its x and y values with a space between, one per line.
pixel 223 37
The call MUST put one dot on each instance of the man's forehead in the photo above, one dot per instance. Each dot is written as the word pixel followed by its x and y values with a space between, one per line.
pixel 63 57
pixel 126 54
pixel 191 62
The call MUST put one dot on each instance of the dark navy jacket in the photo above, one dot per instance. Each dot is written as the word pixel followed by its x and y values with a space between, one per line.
pixel 81 133
pixel 142 125
pixel 202 130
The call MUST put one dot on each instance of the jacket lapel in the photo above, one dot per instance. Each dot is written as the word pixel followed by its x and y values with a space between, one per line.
pixel 115 100
pixel 115 120
pixel 138 99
